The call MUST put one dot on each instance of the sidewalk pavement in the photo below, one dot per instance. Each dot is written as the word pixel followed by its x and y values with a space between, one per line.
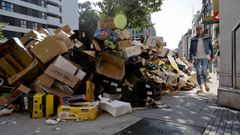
pixel 187 113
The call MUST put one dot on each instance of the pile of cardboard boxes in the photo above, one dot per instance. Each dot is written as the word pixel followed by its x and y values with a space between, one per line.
pixel 51 75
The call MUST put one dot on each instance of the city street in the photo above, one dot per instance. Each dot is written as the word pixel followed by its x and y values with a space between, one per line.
pixel 119 67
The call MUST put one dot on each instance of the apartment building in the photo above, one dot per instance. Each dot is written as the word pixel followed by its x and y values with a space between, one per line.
pixel 141 33
pixel 24 15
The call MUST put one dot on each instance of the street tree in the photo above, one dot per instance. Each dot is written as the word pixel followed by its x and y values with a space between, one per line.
pixel 136 11
pixel 88 17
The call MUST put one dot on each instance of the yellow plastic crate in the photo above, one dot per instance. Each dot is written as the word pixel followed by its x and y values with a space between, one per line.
pixel 78 111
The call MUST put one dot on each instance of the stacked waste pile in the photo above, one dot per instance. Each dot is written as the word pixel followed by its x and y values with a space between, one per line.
pixel 62 74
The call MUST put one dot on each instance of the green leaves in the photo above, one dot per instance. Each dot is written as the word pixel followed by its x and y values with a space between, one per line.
pixel 136 11
pixel 88 17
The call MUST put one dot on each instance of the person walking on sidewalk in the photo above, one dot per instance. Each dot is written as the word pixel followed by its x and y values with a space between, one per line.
pixel 201 51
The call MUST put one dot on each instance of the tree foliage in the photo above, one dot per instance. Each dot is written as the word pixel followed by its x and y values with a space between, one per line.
pixel 88 17
pixel 136 11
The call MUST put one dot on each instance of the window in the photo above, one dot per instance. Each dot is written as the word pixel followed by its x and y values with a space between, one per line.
pixel 23 10
pixel 43 3
pixel 35 25
pixel 23 23
pixel 60 9
pixel 43 16
pixel 34 13
pixel 7 6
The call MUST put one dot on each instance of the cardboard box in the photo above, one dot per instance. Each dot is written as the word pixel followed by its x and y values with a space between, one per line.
pixel 65 37
pixel 64 28
pixel 80 74
pixel 123 34
pixel 114 107
pixel 17 92
pixel 55 91
pixel 163 52
pixel 153 41
pixel 33 34
pixel 79 111
pixel 132 51
pixel 45 80
pixel 173 63
pixel 13 62
pixel 124 44
pixel 65 65
pixel 48 49
pixel 32 43
pixel 172 79
pixel 16 49
pixel 111 66
pixel 62 76
pixel 106 23
pixel 5 66
pixel 28 71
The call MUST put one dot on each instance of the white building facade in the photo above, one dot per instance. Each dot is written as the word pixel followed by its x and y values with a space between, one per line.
pixel 24 15
pixel 139 33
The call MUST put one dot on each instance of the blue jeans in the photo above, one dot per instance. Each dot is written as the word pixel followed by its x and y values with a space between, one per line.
pixel 198 63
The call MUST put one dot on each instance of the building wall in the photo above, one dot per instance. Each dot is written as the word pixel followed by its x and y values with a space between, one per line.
pixel 138 33
pixel 229 17
pixel 24 15
pixel 184 44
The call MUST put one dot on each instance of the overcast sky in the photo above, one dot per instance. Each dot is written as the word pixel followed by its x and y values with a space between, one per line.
pixel 173 20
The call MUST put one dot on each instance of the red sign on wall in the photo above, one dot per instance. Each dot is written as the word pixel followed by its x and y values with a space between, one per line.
pixel 216 16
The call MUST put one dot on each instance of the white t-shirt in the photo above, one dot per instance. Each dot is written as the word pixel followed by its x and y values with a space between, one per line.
pixel 201 53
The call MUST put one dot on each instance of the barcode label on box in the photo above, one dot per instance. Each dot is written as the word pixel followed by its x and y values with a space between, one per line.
pixel 114 84
pixel 147 86
pixel 119 90
pixel 149 93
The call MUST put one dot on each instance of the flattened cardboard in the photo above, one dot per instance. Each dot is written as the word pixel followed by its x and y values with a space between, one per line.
pixel 173 63
pixel 62 76
pixel 17 92
pixel 111 66
pixel 48 49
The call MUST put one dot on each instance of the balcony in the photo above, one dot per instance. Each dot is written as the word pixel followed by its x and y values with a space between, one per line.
pixel 53 21
pixel 54 2
pixel 53 9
